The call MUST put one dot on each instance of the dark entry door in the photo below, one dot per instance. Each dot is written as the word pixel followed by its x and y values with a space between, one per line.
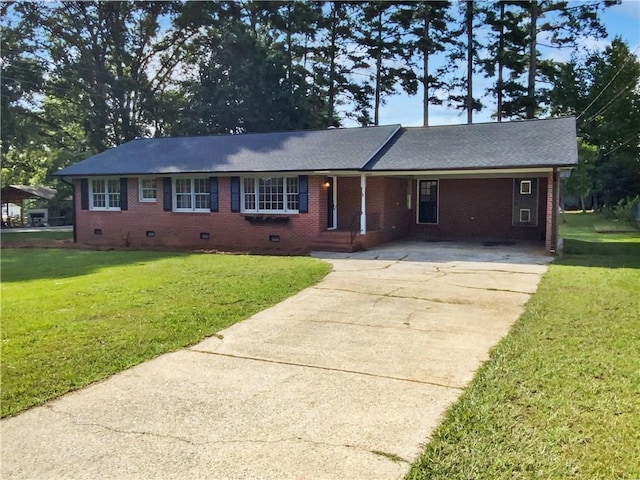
pixel 428 201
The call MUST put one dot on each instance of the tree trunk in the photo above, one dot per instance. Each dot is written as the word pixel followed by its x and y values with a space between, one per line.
pixel 332 65
pixel 500 62
pixel 376 113
pixel 531 87
pixel 425 69
pixel 469 23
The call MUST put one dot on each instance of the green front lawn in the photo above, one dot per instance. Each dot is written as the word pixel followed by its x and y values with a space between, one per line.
pixel 11 236
pixel 71 317
pixel 560 396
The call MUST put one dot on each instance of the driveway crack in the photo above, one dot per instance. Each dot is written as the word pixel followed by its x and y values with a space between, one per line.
pixel 389 295
pixel 490 289
pixel 329 369
pixel 293 438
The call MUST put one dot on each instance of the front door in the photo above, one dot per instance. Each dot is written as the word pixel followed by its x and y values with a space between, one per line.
pixel 427 201
pixel 332 211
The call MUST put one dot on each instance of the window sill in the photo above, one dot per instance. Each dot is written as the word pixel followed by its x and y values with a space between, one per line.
pixel 262 219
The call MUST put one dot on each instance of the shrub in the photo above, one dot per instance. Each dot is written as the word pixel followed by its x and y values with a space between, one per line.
pixel 624 210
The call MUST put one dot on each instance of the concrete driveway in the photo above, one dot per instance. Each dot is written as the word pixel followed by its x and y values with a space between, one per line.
pixel 347 379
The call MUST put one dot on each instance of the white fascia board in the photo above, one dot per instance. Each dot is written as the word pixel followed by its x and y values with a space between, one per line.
pixel 479 173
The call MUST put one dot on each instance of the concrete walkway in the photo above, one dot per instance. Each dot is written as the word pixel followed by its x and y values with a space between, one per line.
pixel 347 379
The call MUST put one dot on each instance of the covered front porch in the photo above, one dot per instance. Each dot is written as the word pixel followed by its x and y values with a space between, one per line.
pixel 363 211
pixel 366 210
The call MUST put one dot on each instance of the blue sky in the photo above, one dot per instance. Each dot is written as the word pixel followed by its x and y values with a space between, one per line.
pixel 621 20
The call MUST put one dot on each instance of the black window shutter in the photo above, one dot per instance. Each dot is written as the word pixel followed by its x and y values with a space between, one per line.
pixel 84 194
pixel 167 199
pixel 213 187
pixel 124 197
pixel 235 194
pixel 303 190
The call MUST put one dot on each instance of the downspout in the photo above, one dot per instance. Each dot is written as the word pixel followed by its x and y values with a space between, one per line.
pixel 363 204
pixel 554 213
pixel 75 216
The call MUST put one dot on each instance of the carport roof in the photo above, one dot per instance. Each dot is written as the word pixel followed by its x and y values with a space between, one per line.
pixel 17 193
pixel 516 144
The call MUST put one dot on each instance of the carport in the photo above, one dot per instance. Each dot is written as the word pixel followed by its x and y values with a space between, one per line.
pixel 17 194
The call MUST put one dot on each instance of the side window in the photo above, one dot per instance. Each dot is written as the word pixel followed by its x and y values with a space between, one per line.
pixel 192 195
pixel 147 189
pixel 104 194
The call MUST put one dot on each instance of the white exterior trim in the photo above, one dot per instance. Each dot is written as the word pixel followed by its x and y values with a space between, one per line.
pixel 363 204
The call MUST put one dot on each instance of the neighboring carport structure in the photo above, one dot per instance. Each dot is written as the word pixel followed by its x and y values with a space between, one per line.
pixel 17 194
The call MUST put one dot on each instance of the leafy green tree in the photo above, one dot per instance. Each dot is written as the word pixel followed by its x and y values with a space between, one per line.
pixel 427 25
pixel 602 92
pixel 463 57
pixel 386 54
pixel 111 60
pixel 554 24
pixel 580 183
pixel 21 82
pixel 335 62
pixel 505 54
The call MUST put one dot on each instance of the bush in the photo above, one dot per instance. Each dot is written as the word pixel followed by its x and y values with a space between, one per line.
pixel 624 210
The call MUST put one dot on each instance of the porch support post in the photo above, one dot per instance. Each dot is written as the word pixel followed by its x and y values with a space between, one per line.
pixel 363 204
pixel 551 243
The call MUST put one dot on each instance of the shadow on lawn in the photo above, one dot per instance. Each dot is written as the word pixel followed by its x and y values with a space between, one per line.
pixel 596 254
pixel 23 264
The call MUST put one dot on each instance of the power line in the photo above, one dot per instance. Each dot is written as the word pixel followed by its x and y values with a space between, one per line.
pixel 635 135
pixel 607 105
pixel 610 82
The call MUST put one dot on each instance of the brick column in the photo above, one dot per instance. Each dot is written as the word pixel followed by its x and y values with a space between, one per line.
pixel 551 238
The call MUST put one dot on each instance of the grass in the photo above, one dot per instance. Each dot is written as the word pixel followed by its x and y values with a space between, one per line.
pixel 71 317
pixel 560 396
pixel 10 236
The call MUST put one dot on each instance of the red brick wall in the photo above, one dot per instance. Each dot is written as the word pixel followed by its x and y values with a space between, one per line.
pixel 226 230
pixel 468 208
pixel 397 217
pixel 480 209
pixel 348 201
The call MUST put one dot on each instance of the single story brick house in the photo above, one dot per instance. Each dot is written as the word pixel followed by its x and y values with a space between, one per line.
pixel 334 189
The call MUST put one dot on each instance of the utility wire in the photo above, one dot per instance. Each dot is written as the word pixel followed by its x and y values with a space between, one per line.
pixel 635 135
pixel 607 105
pixel 610 82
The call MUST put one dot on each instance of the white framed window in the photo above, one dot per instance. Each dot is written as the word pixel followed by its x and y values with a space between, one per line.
pixel 525 215
pixel 270 195
pixel 147 189
pixel 525 187
pixel 104 194
pixel 191 195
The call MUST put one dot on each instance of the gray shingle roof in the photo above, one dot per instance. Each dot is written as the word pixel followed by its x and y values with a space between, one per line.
pixel 519 144
pixel 332 149
pixel 527 143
